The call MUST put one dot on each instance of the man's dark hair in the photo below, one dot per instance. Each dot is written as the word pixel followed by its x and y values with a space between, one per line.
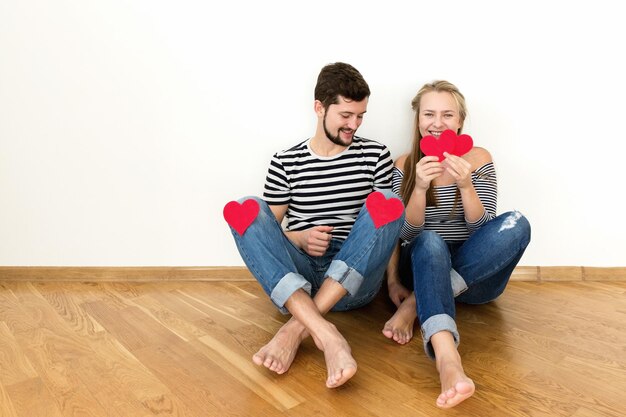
pixel 340 79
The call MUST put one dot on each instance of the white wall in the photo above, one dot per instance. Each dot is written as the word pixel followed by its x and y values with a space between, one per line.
pixel 125 126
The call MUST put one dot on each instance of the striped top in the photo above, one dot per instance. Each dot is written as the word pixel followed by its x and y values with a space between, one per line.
pixel 327 191
pixel 453 227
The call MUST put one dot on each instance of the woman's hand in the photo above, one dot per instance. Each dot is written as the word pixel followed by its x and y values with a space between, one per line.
pixel 397 292
pixel 459 168
pixel 427 169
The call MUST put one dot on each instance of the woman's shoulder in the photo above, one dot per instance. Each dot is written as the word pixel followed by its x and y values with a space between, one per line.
pixel 400 162
pixel 478 157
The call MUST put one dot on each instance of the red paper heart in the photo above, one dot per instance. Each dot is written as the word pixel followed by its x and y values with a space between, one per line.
pixel 382 210
pixel 462 143
pixel 432 146
pixel 240 216
pixel 449 142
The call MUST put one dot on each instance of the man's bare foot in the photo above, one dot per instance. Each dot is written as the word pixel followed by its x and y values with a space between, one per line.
pixel 340 364
pixel 400 326
pixel 455 385
pixel 280 352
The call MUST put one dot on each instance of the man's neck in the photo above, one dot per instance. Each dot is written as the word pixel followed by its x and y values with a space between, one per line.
pixel 323 146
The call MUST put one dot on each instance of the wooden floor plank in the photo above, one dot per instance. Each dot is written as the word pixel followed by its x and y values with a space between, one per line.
pixel 250 375
pixel 6 405
pixel 14 364
pixel 115 378
pixel 33 399
pixel 53 349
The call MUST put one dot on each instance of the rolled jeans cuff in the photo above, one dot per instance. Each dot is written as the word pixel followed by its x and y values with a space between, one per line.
pixel 458 283
pixel 435 324
pixel 287 285
pixel 349 278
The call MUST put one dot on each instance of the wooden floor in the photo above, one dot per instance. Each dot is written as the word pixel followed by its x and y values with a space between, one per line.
pixel 184 348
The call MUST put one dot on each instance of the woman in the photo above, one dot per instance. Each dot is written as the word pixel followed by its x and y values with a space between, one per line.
pixel 453 247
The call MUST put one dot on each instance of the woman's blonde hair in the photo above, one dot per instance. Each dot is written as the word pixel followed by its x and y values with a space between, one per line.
pixel 408 181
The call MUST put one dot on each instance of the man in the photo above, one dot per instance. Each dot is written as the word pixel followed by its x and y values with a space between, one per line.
pixel 334 247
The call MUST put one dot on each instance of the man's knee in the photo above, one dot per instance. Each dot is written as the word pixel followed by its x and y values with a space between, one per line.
pixel 389 194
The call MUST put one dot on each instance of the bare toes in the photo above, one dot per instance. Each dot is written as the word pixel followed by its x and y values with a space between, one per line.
pixel 340 377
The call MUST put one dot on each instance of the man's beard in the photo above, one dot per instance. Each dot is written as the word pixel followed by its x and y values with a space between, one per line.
pixel 335 139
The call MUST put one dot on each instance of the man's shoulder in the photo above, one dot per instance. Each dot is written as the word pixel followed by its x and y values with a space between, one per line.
pixel 368 144
pixel 295 150
pixel 366 141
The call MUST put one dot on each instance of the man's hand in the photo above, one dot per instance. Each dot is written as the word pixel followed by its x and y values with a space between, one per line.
pixel 314 241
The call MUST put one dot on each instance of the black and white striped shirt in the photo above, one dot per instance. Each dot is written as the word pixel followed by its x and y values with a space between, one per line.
pixel 453 227
pixel 327 191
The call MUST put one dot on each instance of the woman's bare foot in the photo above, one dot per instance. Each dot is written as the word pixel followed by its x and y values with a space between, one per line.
pixel 280 352
pixel 455 385
pixel 400 326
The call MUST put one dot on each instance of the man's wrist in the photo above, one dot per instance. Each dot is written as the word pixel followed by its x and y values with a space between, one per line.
pixel 293 237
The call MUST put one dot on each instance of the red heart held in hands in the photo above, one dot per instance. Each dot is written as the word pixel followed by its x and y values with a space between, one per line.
pixel 382 210
pixel 240 216
pixel 462 143
pixel 432 146
pixel 448 142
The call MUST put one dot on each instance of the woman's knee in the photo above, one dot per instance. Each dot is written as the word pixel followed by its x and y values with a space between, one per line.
pixel 429 243
pixel 518 225
pixel 430 239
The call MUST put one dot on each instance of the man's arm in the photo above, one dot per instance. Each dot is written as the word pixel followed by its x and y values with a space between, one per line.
pixel 313 241
pixel 279 211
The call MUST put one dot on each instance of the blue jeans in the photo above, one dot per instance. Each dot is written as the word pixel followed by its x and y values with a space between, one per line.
pixel 358 263
pixel 475 271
